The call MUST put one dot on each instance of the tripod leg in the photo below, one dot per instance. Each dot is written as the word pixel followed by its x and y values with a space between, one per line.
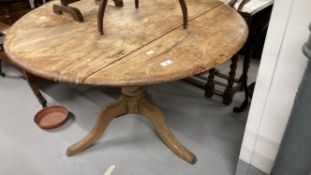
pixel 156 117
pixel 105 117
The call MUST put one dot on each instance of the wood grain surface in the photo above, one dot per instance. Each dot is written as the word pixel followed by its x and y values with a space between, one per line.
pixel 140 46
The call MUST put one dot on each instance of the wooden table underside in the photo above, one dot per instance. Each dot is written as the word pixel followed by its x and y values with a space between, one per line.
pixel 58 48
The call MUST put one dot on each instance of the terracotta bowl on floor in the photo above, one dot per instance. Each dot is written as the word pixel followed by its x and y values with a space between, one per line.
pixel 51 117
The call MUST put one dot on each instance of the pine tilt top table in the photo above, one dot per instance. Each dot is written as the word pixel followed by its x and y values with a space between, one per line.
pixel 140 47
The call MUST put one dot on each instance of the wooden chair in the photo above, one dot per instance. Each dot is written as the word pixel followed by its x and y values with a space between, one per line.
pixel 257 14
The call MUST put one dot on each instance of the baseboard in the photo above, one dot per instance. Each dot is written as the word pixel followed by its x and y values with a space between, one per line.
pixel 244 168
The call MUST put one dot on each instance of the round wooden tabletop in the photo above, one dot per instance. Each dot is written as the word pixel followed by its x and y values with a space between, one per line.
pixel 140 46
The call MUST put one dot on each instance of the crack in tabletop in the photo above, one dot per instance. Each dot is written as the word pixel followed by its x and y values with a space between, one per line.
pixel 155 39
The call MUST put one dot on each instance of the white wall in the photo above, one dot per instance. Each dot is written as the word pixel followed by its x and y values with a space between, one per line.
pixel 281 69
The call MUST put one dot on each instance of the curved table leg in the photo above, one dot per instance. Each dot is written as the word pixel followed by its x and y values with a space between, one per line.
pixel 105 117
pixel 156 117
pixel 133 101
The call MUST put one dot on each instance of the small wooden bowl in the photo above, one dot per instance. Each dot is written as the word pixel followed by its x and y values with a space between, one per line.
pixel 51 117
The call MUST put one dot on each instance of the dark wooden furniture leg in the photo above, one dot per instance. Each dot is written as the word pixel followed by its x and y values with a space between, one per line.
pixel 1 54
pixel 31 80
pixel 244 76
pixel 2 27
pixel 257 24
pixel 119 3
pixel 184 10
pixel 100 16
pixel 228 94
pixel 1 73
pixel 133 101
pixel 74 12
pixel 210 85
pixel 102 9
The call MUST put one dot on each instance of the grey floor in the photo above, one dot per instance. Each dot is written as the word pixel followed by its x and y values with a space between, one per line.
pixel 206 126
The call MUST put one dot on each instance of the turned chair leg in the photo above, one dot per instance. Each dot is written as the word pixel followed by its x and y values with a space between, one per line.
pixel 1 73
pixel 31 80
pixel 2 50
pixel 210 85
pixel 244 77
pixel 228 94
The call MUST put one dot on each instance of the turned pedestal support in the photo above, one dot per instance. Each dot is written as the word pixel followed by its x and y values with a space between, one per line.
pixel 133 101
